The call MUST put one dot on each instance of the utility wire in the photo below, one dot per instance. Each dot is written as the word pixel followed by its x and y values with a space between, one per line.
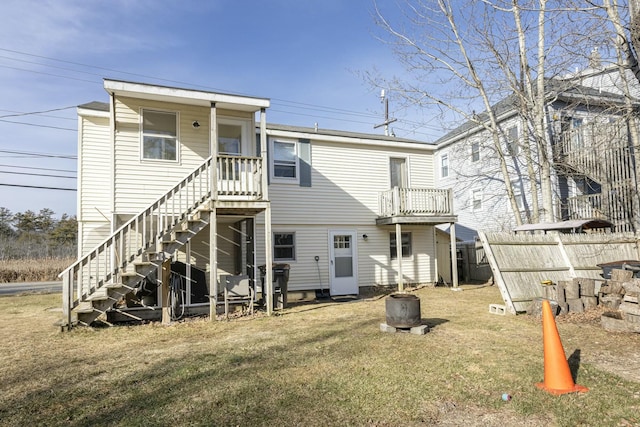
pixel 31 153
pixel 36 168
pixel 37 125
pixel 38 187
pixel 38 174
pixel 18 113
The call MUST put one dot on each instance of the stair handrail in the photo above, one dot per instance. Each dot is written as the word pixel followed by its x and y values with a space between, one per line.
pixel 107 244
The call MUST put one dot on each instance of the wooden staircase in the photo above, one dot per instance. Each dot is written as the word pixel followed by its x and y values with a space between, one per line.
pixel 600 153
pixel 102 277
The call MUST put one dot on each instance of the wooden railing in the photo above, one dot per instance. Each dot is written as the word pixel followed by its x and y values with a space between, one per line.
pixel 415 201
pixel 587 207
pixel 236 176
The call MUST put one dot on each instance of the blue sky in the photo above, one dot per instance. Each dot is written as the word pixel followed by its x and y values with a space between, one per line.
pixel 306 56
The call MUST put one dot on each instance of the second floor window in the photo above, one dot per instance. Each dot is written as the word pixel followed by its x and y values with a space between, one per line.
pixel 476 200
pixel 444 165
pixel 475 151
pixel 512 141
pixel 285 160
pixel 159 135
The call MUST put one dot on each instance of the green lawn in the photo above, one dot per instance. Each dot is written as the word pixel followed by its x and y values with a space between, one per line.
pixel 313 365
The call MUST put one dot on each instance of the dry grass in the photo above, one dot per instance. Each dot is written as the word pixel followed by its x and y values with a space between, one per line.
pixel 33 270
pixel 314 365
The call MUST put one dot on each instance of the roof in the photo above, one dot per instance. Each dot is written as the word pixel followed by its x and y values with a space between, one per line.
pixel 104 107
pixel 571 225
pixel 557 90
pixel 185 96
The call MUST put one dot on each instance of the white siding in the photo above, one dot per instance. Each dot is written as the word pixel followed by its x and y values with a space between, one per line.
pixel 346 180
pixel 94 182
pixel 139 183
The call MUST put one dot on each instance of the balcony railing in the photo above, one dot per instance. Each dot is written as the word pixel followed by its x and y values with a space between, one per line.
pixel 588 206
pixel 415 202
pixel 240 176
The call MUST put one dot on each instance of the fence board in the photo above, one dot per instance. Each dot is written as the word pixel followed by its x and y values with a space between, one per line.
pixel 521 262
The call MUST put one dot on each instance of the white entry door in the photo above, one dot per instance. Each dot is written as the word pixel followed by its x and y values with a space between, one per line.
pixel 343 262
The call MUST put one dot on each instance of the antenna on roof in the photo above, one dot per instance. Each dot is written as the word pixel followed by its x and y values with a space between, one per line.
pixel 387 121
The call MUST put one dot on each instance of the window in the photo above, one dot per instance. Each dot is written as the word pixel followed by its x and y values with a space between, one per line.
pixel 519 200
pixel 577 132
pixel 475 151
pixel 444 165
pixel 512 141
pixel 284 246
pixel 406 245
pixel 285 160
pixel 159 135
pixel 229 139
pixel 398 172
pixel 476 200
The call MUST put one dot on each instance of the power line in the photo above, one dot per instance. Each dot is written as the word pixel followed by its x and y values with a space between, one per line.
pixel 38 187
pixel 19 113
pixel 36 168
pixel 37 125
pixel 38 174
pixel 31 153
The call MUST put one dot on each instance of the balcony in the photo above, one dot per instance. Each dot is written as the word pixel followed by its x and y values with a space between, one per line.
pixel 415 206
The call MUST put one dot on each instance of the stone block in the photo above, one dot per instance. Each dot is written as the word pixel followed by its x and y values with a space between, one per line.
pixel 632 318
pixel 572 290
pixel 630 297
pixel 386 328
pixel 575 305
pixel 498 309
pixel 419 330
pixel 587 287
pixel 564 307
pixel 621 275
pixel 560 294
pixel 632 287
pixel 589 302
pixel 611 301
pixel 629 307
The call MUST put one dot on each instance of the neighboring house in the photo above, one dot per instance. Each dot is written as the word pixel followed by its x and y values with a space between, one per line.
pixel 593 167
pixel 169 174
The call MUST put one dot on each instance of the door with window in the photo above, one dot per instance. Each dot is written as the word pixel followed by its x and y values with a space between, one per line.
pixel 399 178
pixel 343 263
pixel 232 143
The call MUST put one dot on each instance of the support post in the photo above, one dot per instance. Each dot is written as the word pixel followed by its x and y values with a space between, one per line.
pixel 268 247
pixel 164 286
pixel 454 257
pixel 213 264
pixel 399 256
pixel 67 298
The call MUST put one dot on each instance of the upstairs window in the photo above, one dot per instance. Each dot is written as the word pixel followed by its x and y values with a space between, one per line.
pixel 284 165
pixel 476 200
pixel 475 151
pixel 512 141
pixel 444 165
pixel 159 135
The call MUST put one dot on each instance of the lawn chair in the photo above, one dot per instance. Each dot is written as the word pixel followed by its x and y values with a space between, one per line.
pixel 237 289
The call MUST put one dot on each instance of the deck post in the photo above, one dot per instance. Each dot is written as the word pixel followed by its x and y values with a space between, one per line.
pixel 399 256
pixel 268 255
pixel 164 286
pixel 213 264
pixel 454 254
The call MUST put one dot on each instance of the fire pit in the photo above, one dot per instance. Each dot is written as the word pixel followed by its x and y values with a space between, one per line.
pixel 403 310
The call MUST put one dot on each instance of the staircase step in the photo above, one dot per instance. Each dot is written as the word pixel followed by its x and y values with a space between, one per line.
pixel 113 285
pixel 84 307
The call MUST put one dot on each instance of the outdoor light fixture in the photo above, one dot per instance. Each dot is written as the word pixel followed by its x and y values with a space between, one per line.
pixel 365 237
pixel 195 124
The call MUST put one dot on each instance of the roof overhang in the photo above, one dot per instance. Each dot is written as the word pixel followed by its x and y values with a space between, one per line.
pixel 185 96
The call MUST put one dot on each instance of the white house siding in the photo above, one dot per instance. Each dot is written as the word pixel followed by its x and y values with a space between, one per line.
pixel 484 175
pixel 139 183
pixel 346 181
pixel 94 179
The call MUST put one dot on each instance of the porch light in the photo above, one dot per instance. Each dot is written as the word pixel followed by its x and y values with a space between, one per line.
pixel 195 124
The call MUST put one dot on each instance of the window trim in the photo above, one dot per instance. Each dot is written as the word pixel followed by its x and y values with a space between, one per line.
pixel 475 151
pixel 272 161
pixel 142 135
pixel 473 200
pixel 392 239
pixel 293 246
pixel 444 157
pixel 513 147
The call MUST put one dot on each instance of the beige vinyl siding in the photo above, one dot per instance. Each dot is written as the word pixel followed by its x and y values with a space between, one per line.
pixel 95 170
pixel 346 180
pixel 138 182
pixel 375 266
pixel 93 233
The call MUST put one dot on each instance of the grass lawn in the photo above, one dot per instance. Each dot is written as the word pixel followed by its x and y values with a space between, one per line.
pixel 314 365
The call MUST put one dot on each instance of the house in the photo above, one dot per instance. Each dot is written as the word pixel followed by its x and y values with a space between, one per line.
pixel 179 177
pixel 588 142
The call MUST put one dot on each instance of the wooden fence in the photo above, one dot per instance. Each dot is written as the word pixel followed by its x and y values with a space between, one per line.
pixel 520 263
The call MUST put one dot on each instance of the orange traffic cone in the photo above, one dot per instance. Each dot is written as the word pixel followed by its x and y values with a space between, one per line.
pixel 557 376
